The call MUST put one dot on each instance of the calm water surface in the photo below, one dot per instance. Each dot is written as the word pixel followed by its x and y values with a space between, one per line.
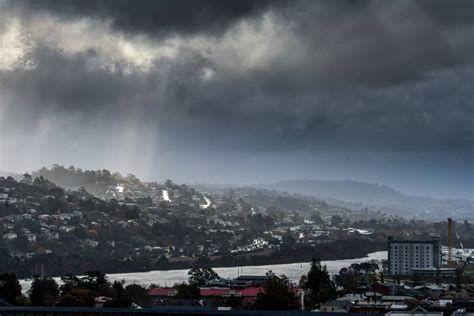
pixel 169 277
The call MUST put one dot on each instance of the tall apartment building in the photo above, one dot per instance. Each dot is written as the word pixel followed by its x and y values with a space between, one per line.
pixel 406 255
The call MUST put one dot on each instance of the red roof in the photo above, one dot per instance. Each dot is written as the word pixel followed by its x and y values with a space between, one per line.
pixel 162 291
pixel 213 292
pixel 247 292
pixel 296 290
pixel 252 291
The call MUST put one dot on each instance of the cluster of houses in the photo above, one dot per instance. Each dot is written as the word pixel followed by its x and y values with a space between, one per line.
pixel 241 292
pixel 225 227
pixel 47 228
pixel 4 196
pixel 401 299
pixel 380 299
pixel 169 193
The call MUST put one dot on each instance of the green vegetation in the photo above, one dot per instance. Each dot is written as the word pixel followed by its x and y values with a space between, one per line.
pixel 319 288
pixel 278 295
pixel 201 276
pixel 73 292
pixel 10 288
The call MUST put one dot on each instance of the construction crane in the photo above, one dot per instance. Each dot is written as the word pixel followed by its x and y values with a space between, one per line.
pixel 450 243
pixel 460 242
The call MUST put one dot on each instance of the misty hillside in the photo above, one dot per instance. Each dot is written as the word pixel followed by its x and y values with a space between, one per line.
pixel 96 182
pixel 7 174
pixel 140 226
pixel 374 195
pixel 345 194
pixel 351 191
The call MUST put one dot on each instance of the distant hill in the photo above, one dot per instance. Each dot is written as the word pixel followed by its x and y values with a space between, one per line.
pixel 377 196
pixel 350 191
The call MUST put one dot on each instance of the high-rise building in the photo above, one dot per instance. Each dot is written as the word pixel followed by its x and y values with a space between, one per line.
pixel 406 255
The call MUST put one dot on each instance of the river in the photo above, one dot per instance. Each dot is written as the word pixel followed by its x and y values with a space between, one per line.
pixel 169 277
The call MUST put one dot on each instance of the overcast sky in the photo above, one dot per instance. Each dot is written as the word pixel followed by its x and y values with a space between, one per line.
pixel 243 91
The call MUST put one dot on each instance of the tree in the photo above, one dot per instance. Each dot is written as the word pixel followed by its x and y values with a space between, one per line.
pixel 77 298
pixel 120 299
pixel 27 178
pixel 347 278
pixel 275 212
pixel 162 261
pixel 131 213
pixel 69 283
pixel 187 291
pixel 22 300
pixel 316 218
pixel 336 220
pixel 10 288
pixel 4 256
pixel 93 280
pixel 351 276
pixel 201 276
pixel 303 281
pixel 321 289
pixel 288 241
pixel 365 267
pixel 278 294
pixel 138 295
pixel 43 291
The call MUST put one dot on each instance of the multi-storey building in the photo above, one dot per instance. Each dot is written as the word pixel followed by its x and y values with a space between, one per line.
pixel 406 255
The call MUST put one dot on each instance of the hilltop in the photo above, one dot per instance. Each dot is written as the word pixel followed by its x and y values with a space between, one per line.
pixel 345 194
pixel 378 197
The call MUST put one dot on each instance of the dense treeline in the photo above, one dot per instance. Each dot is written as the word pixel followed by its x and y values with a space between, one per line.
pixel 95 290
pixel 95 181
pixel 73 291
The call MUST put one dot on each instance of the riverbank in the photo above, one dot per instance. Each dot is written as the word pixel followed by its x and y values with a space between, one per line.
pixel 58 264
pixel 170 277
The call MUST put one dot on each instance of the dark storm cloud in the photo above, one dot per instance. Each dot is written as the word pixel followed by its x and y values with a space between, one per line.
pixel 235 114
pixel 373 43
pixel 201 15
pixel 69 83
pixel 352 75
pixel 457 13
pixel 379 43
pixel 163 17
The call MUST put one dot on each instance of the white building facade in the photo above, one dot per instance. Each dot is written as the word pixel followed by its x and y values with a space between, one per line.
pixel 406 255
